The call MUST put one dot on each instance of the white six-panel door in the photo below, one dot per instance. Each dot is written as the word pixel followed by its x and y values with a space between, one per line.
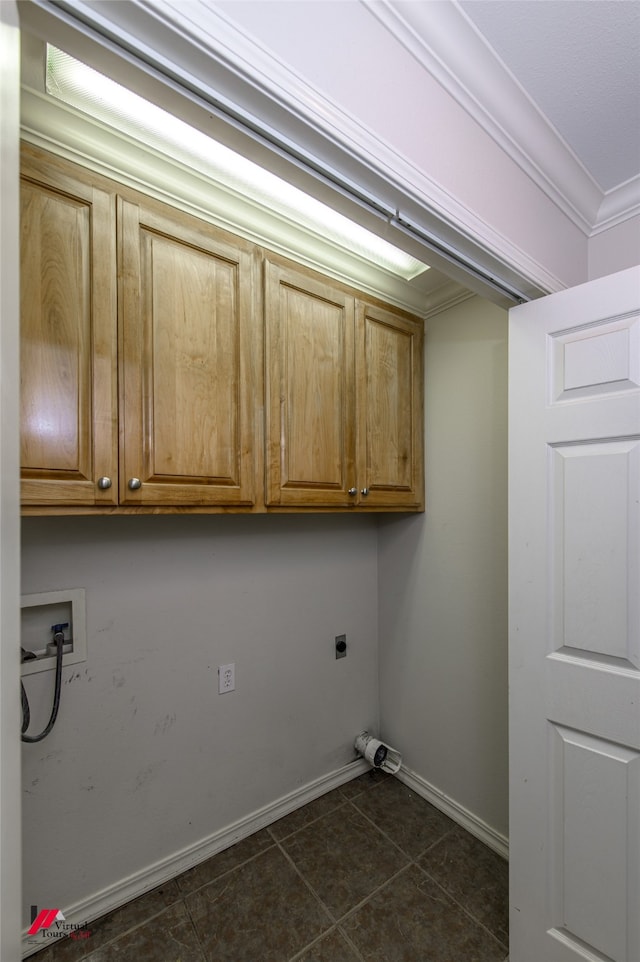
pixel 575 624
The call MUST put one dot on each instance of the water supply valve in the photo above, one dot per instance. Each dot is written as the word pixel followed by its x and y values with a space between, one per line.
pixel 58 635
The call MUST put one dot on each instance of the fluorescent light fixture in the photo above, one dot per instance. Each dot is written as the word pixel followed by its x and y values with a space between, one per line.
pixel 93 93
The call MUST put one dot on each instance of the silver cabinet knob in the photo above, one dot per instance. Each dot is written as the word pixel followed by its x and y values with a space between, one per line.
pixel 352 492
pixel 365 491
pixel 134 483
pixel 104 483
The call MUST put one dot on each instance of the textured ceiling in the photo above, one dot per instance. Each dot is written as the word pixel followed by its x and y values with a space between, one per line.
pixel 579 61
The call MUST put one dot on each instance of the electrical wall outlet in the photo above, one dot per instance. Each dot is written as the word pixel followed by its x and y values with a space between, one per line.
pixel 226 678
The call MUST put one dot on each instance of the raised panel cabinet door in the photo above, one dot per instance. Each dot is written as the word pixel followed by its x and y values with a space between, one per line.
pixel 390 389
pixel 309 390
pixel 188 382
pixel 68 337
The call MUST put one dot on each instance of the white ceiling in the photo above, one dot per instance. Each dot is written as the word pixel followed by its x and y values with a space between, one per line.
pixel 579 61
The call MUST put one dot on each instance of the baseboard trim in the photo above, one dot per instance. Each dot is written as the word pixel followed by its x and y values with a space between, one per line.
pixel 82 913
pixel 495 840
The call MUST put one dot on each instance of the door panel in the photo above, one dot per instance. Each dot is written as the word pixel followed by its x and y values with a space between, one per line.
pixel 595 851
pixel 390 405
pixel 310 397
pixel 186 369
pixel 56 343
pixel 589 361
pixel 68 338
pixel 595 594
pixel 574 624
pixel 194 427
pixel 315 390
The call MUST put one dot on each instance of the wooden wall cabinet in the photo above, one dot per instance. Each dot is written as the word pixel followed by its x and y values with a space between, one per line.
pixel 142 376
pixel 68 363
pixel 344 396
pixel 139 371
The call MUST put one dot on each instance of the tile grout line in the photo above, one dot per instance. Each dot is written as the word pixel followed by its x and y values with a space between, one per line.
pixel 310 945
pixel 354 948
pixel 363 902
pixel 337 922
pixel 460 905
pixel 345 801
pixel 308 885
pixel 199 942
pixel 414 861
pixel 226 872
pixel 334 928
pixel 396 845
pixel 339 919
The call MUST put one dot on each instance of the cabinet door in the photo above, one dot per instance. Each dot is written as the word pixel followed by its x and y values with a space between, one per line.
pixel 390 389
pixel 309 393
pixel 68 337
pixel 187 376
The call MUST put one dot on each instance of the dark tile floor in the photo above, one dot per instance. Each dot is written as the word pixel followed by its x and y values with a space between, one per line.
pixel 368 873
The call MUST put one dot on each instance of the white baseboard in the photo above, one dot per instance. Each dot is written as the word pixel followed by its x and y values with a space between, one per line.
pixel 499 843
pixel 126 889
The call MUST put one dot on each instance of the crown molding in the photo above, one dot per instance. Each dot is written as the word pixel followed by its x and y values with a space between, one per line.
pixel 618 205
pixel 444 297
pixel 448 45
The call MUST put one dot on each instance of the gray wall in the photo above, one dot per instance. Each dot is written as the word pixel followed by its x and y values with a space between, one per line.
pixel 146 758
pixel 443 575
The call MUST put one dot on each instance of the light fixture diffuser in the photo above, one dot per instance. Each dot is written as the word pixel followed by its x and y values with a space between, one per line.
pixel 81 87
